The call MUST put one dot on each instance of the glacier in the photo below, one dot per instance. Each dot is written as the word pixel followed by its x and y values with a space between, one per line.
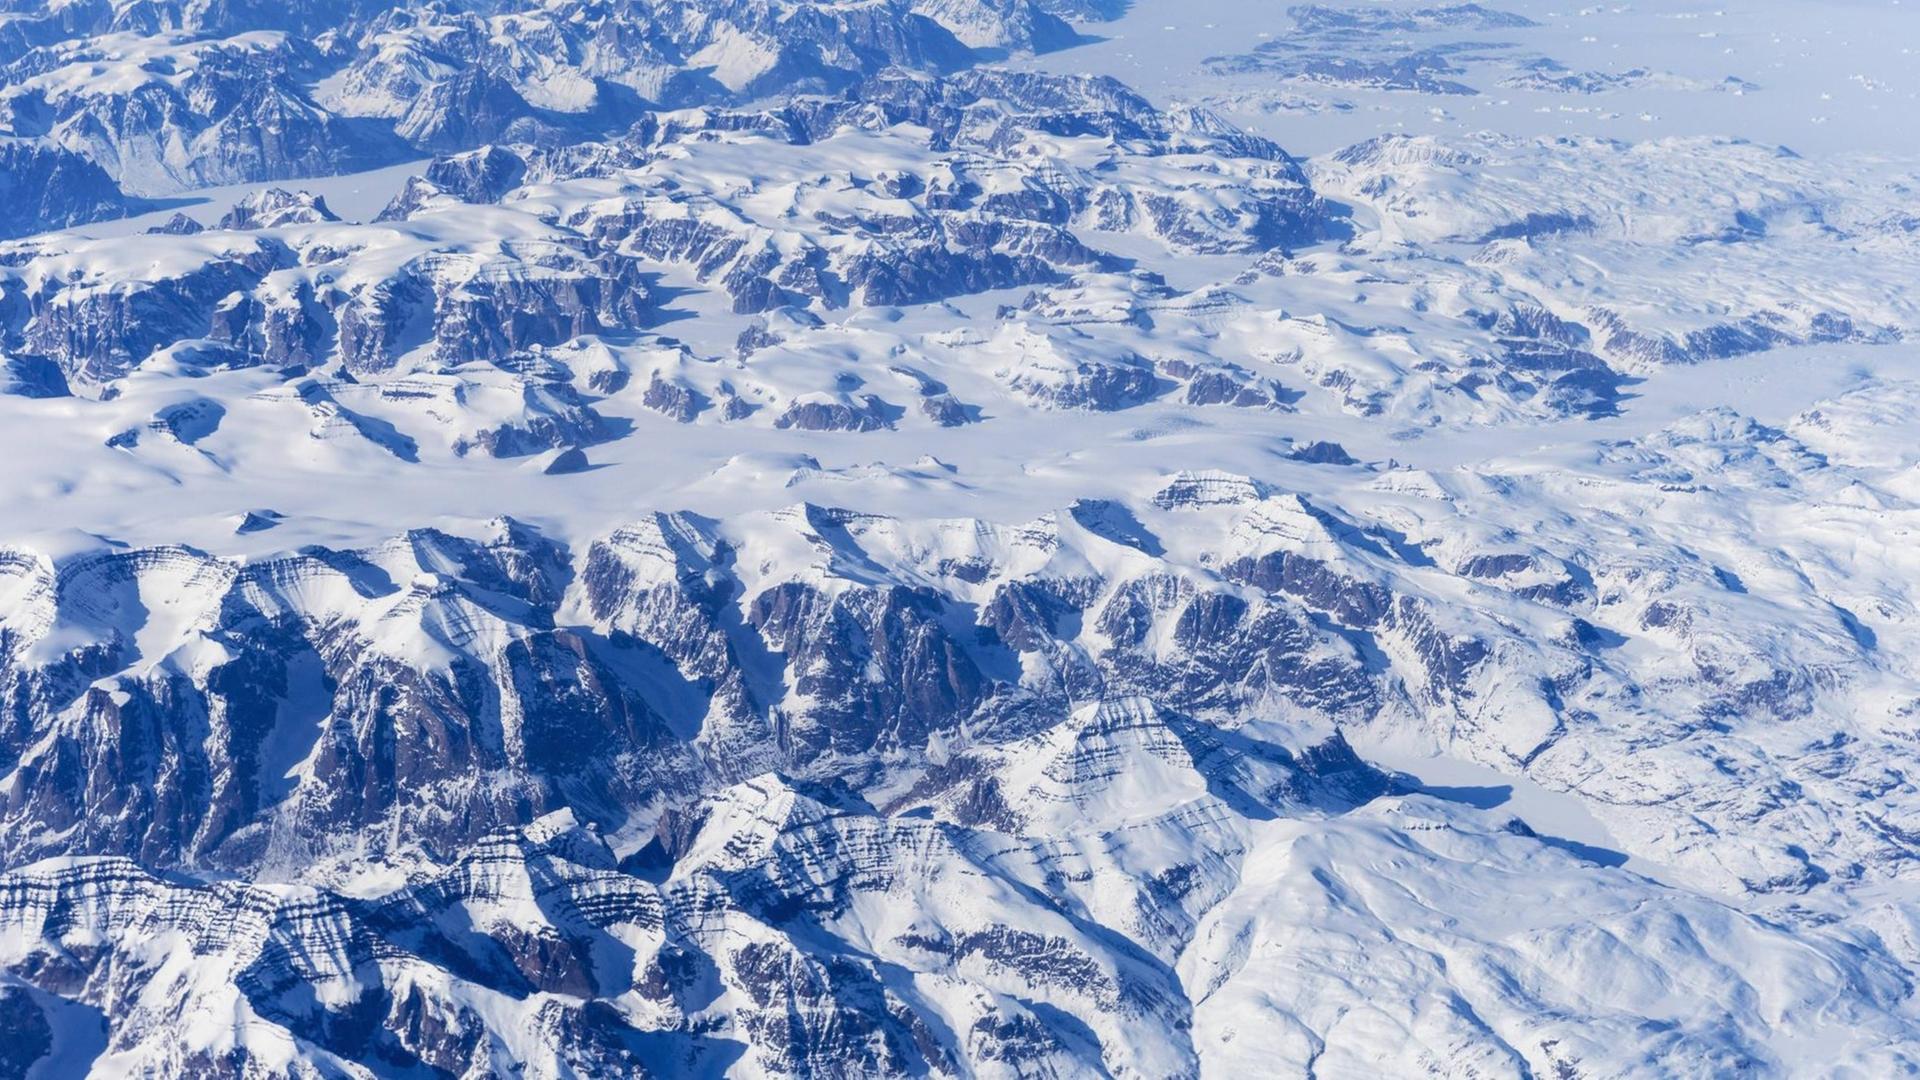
pixel 565 538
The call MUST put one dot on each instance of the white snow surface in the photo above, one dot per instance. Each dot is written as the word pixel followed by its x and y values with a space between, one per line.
pixel 1594 865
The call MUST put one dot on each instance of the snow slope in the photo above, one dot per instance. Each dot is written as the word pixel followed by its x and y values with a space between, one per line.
pixel 845 539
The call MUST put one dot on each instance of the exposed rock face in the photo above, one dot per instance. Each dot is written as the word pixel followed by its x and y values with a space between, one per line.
pixel 274 208
pixel 174 94
pixel 759 926
pixel 481 176
pixel 795 641
pixel 177 225
pixel 1017 695
pixel 189 111
pixel 868 669
pixel 571 460
pixel 48 187
pixel 416 286
pixel 98 334
pixel 868 413
pixel 466 110
pixel 1322 452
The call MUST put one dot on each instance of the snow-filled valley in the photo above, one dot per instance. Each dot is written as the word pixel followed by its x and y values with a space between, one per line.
pixel 960 537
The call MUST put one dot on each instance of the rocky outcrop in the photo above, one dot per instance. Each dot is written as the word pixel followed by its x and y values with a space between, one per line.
pixel 45 187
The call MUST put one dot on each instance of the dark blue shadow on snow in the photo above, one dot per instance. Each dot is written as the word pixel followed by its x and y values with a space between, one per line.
pixel 1598 855
pixel 1490 796
pixel 1480 798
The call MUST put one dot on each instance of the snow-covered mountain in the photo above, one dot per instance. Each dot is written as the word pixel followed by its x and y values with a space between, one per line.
pixel 169 95
pixel 576 538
